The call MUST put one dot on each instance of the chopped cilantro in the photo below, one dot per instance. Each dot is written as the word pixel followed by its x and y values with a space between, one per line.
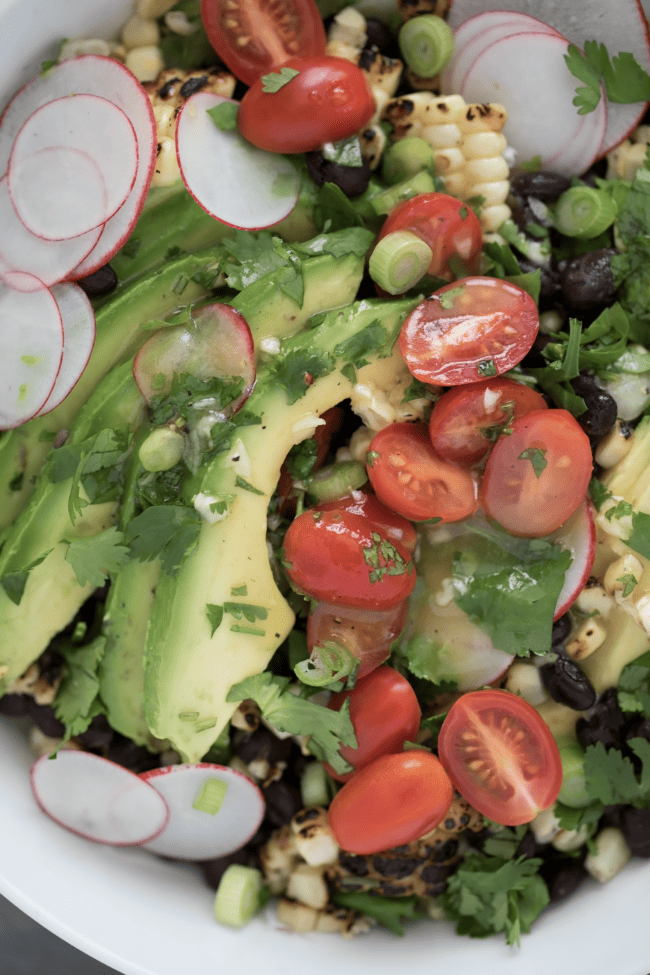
pixel 383 559
pixel 327 729
pixel 371 457
pixel 389 912
pixel 634 686
pixel 347 152
pixel 169 532
pixel 278 79
pixel 629 584
pixel 131 248
pixel 14 583
pixel 245 486
pixel 239 590
pixel 486 369
pixel 532 165
pixel 610 776
pixel 537 458
pixel 356 348
pixel 448 298
pixel 296 370
pixel 250 630
pixel 94 558
pixel 419 390
pixel 490 895
pixel 338 243
pixel 624 78
pixel 77 701
pixel 349 372
pixel 215 616
pixel 224 115
pixel 301 459
pixel 185 390
pixel 247 611
pixel 334 209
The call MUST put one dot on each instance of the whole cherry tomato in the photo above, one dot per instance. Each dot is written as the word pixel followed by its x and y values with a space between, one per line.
pixel 409 476
pixel 253 38
pixel 472 329
pixel 450 228
pixel 341 558
pixel 394 800
pixel 384 712
pixel 368 634
pixel 466 420
pixel 501 756
pixel 328 99
pixel 538 474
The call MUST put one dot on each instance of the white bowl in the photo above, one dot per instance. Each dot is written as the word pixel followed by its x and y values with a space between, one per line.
pixel 143 916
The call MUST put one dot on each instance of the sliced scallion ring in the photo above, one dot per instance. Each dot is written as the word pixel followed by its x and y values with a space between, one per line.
pixel 399 261
pixel 584 212
pixel 426 43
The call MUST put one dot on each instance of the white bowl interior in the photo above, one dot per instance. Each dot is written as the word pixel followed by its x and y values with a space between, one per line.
pixel 143 916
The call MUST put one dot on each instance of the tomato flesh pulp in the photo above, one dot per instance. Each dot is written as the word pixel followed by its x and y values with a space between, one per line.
pixel 472 329
pixel 501 756
pixel 252 37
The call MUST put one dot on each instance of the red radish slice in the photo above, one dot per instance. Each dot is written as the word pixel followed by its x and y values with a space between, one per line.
pixel 621 26
pixel 233 181
pixel 98 799
pixel 475 34
pixel 218 342
pixel 58 193
pixel 49 261
pixel 93 75
pixel 90 125
pixel 196 835
pixel 527 73
pixel 78 319
pixel 31 348
pixel 578 535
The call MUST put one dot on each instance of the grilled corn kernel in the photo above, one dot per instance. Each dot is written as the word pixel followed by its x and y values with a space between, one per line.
pixel 165 116
pixel 146 63
pixel 611 854
pixel 178 23
pixel 84 45
pixel 615 445
pixel 588 638
pixel 594 599
pixel 443 136
pixel 494 194
pixel 166 171
pixel 348 27
pixel 622 575
pixel 140 33
pixel 493 217
pixel 150 9
pixel 307 885
pixel 526 681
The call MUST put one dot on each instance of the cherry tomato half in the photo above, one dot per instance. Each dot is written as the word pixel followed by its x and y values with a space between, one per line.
pixel 394 800
pixel 253 37
pixel 409 476
pixel 341 558
pixel 367 634
pixel 472 329
pixel 328 99
pixel 538 474
pixel 398 529
pixel 501 756
pixel 467 419
pixel 384 712
pixel 450 228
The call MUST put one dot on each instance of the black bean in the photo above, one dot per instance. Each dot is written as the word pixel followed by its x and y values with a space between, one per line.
pixel 352 180
pixel 545 186
pixel 587 280
pixel 379 35
pixel 528 846
pixel 15 705
pixel 168 88
pixel 213 870
pixel 561 630
pixel 550 277
pixel 635 824
pixel 639 728
pixel 192 85
pixel 601 407
pixel 262 744
pixel 43 717
pixel 98 735
pixel 567 683
pixel 282 803
pixel 612 817
pixel 100 283
pixel 605 724
pixel 138 759
pixel 564 878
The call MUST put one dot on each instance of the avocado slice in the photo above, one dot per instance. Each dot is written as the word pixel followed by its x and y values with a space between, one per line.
pixel 188 668
pixel 52 595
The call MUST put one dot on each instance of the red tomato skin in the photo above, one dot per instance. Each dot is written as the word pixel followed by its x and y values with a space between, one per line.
pixel 450 228
pixel 484 324
pixel 528 756
pixel 324 557
pixel 394 800
pixel 511 492
pixel 270 44
pixel 463 412
pixel 384 712
pixel 367 505
pixel 368 634
pixel 436 489
pixel 328 100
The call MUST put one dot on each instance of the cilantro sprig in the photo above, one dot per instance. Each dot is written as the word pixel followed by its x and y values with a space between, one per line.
pixel 624 79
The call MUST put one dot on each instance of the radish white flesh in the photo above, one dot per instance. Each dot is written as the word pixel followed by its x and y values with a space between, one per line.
pixel 233 181
pixel 587 145
pixel 93 75
pixel 49 261
pixel 97 799
pixel 58 193
pixel 31 348
pixel 475 34
pixel 527 73
pixel 91 125
pixel 78 319
pixel 196 835
pixel 217 342
pixel 578 535
pixel 621 26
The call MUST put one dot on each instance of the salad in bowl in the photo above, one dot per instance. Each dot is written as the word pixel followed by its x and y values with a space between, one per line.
pixel 325 529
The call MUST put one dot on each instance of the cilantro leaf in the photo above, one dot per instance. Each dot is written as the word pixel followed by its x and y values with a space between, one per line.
pixel 489 895
pixel 327 730
pixel 610 776
pixel 247 611
pixel 624 79
pixel 278 79
pixel 215 616
pixel 347 152
pixel 387 911
pixel 224 115
pixel 351 240
pixel 634 686
pixel 95 557
pixel 296 370
pixel 14 583
pixel 169 532
pixel 537 458
pixel 361 344
pixel 77 701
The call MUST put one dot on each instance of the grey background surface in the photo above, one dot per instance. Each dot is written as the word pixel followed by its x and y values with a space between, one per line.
pixel 28 949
